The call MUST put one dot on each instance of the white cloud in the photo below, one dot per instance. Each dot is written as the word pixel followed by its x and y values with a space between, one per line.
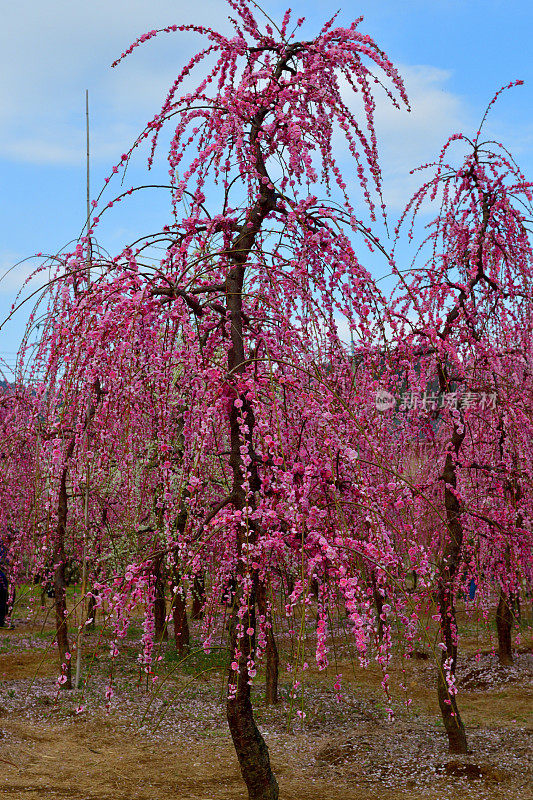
pixel 22 277
pixel 51 52
pixel 410 139
pixel 63 143
pixel 14 271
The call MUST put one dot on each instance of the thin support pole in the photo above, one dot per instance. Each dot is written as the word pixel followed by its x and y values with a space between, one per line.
pixel 89 243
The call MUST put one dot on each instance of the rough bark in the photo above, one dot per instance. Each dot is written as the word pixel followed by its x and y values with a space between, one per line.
pixel 182 636
pixel 60 586
pixel 448 569
pixel 453 723
pixel 504 624
pixel 198 597
pixel 272 655
pixel 160 603
pixel 250 747
pixel 252 752
pixel 508 601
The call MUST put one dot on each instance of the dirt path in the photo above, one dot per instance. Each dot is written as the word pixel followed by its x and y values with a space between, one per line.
pixel 57 745
pixel 102 759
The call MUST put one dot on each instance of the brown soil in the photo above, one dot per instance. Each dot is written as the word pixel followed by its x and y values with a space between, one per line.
pixel 100 760
pixel 50 748
pixel 28 664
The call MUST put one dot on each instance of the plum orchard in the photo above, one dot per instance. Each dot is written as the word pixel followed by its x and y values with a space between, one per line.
pixel 200 423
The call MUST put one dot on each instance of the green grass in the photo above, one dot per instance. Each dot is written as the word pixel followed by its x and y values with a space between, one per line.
pixel 197 660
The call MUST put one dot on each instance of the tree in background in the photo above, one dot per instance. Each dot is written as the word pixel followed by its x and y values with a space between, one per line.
pixel 464 319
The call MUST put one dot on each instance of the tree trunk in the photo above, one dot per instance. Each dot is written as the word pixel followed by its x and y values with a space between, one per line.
pixel 516 605
pixel 447 700
pixel 198 597
pixel 91 611
pixel 378 600
pixel 250 746
pixel 160 603
pixel 60 586
pixel 272 656
pixel 59 581
pixel 448 569
pixel 181 623
pixel 252 752
pixel 508 604
pixel 504 624
pixel 290 583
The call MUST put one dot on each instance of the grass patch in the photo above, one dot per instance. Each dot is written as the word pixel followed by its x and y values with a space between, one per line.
pixel 197 660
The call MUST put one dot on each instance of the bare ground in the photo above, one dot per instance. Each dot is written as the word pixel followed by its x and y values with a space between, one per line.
pixel 346 750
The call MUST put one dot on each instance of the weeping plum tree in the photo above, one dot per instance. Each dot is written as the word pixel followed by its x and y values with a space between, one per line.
pixel 255 267
pixel 260 136
pixel 464 318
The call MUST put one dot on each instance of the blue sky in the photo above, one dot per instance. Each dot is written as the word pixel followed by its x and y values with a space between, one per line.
pixel 453 54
